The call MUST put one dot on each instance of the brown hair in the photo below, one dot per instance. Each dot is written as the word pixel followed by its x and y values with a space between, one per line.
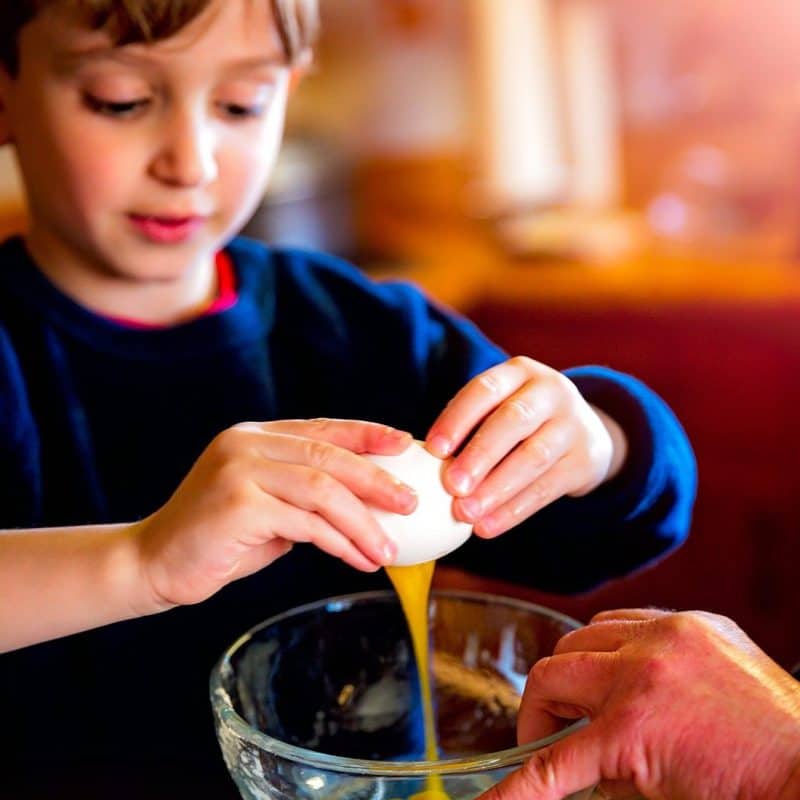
pixel 131 21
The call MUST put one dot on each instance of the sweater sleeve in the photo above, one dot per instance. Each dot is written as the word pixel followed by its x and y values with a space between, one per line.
pixel 644 512
pixel 416 355
pixel 574 544
pixel 20 494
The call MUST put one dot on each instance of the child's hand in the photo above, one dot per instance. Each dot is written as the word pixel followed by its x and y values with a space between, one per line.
pixel 535 439
pixel 257 489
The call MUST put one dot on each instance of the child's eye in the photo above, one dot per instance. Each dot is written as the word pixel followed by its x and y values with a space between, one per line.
pixel 239 111
pixel 115 108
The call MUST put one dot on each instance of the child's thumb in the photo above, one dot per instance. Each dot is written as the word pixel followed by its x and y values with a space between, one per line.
pixel 554 772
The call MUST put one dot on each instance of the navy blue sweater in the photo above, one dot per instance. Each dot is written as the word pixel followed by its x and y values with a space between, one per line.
pixel 99 423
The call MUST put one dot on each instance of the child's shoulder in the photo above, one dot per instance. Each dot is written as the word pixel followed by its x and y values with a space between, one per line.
pixel 289 261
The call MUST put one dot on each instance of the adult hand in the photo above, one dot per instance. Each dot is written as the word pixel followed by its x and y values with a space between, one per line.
pixel 683 706
pixel 535 439
pixel 259 487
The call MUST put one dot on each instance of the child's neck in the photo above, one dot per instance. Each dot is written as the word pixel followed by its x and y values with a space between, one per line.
pixel 157 300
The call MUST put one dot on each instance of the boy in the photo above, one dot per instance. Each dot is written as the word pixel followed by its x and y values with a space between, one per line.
pixel 133 332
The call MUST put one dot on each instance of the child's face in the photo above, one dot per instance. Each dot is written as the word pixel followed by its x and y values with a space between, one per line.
pixel 140 161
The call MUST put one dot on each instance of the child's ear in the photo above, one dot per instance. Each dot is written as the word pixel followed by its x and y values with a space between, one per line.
pixel 300 68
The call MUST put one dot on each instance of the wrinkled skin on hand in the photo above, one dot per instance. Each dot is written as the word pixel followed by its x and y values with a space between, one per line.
pixel 682 706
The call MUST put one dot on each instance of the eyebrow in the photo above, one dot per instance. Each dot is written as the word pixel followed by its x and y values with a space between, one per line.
pixel 69 61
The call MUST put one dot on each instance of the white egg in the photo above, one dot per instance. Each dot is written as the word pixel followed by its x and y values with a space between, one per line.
pixel 431 530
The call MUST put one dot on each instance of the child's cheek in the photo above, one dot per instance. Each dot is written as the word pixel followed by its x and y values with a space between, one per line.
pixel 103 166
pixel 247 159
pixel 243 181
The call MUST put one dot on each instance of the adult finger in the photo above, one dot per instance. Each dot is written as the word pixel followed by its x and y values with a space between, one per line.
pixel 618 790
pixel 552 773
pixel 631 614
pixel 599 636
pixel 474 402
pixel 539 718
pixel 580 681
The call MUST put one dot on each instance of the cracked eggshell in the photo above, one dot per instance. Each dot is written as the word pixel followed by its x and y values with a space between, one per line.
pixel 430 531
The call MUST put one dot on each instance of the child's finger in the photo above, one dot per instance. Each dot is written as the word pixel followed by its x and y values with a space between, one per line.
pixel 554 483
pixel 473 403
pixel 358 436
pixel 513 421
pixel 518 469
pixel 327 498
pixel 363 478
pixel 262 555
pixel 298 525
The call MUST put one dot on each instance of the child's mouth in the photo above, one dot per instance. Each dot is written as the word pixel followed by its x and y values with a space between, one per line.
pixel 166 230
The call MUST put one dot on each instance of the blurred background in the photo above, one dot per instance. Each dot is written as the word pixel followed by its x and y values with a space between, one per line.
pixel 591 181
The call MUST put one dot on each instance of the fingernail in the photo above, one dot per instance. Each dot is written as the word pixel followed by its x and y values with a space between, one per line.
pixel 404 495
pixel 471 506
pixel 460 480
pixel 389 552
pixel 441 445
pixel 409 499
pixel 490 525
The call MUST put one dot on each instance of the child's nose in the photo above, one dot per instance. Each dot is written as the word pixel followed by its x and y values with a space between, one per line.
pixel 187 156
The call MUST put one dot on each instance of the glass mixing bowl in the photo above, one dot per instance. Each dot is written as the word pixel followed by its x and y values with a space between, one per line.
pixel 322 702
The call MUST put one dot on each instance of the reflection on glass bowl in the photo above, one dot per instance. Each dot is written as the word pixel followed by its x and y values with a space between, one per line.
pixel 322 702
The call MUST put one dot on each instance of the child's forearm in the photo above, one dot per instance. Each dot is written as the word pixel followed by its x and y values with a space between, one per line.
pixel 57 581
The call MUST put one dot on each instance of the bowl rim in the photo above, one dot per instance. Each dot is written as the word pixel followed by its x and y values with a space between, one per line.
pixel 223 707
